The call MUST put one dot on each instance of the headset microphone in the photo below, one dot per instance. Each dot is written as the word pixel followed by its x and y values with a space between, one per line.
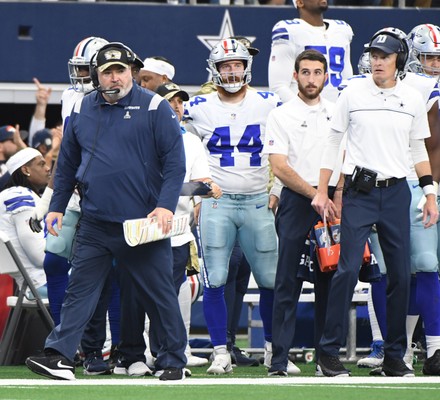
pixel 108 91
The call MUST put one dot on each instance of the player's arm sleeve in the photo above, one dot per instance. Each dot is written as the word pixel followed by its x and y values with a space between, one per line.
pixel 35 126
pixel 33 243
pixel 281 67
pixel 418 151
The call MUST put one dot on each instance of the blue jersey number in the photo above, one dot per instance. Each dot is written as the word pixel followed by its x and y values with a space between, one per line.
pixel 335 60
pixel 250 142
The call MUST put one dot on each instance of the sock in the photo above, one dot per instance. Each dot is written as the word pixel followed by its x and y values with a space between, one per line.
pixel 411 322
pixel 220 349
pixel 185 309
pixel 432 345
pixel 428 301
pixel 379 296
pixel 375 329
pixel 214 308
pixel 57 278
pixel 266 311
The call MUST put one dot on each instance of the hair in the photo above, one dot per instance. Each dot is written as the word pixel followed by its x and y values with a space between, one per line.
pixel 312 55
pixel 18 178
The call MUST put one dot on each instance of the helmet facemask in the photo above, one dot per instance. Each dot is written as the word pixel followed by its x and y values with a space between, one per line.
pixel 425 43
pixel 230 50
pixel 79 64
pixel 79 73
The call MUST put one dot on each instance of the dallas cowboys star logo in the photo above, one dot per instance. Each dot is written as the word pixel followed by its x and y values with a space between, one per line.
pixel 226 30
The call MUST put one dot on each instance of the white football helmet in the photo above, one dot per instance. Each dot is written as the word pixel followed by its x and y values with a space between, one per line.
pixel 228 50
pixel 425 41
pixel 80 62
pixel 364 66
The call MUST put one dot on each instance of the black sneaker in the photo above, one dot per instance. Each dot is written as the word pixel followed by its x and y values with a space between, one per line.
pixel 332 366
pixel 241 358
pixel 396 367
pixel 172 374
pixel 432 364
pixel 114 356
pixel 95 365
pixel 53 366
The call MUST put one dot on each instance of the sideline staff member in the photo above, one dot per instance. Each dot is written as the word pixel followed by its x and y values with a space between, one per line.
pixel 123 147
pixel 383 117
pixel 295 141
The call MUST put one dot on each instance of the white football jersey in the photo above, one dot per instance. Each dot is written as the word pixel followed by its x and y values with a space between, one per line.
pixel 426 85
pixel 291 37
pixel 233 137
pixel 428 88
pixel 16 207
pixel 68 100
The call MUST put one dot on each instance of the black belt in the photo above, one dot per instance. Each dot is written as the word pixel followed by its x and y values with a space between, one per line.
pixel 387 182
pixel 382 183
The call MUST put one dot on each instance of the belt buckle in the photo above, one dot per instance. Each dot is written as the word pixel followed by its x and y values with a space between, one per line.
pixel 383 183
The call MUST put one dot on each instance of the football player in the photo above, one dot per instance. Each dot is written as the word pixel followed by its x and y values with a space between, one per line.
pixel 231 123
pixel 310 31
pixel 425 44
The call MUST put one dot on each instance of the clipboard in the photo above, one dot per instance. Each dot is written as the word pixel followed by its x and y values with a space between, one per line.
pixel 145 230
pixel 195 188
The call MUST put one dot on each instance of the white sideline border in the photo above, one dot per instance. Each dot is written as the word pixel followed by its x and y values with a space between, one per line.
pixel 377 382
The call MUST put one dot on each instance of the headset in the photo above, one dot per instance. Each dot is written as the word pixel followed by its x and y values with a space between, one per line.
pixel 403 53
pixel 131 58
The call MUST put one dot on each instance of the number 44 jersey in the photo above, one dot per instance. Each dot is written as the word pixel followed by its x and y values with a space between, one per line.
pixel 233 137
pixel 291 37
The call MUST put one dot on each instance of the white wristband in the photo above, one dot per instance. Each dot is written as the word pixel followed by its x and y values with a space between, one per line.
pixel 429 189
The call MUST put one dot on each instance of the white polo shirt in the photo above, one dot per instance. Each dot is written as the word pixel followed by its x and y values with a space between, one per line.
pixel 299 131
pixel 380 124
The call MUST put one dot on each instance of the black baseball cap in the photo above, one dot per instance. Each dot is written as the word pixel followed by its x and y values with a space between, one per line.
pixel 387 43
pixel 169 90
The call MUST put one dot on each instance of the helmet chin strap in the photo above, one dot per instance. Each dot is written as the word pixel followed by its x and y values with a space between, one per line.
pixel 232 89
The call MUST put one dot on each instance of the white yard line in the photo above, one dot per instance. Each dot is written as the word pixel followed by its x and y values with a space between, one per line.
pixel 378 382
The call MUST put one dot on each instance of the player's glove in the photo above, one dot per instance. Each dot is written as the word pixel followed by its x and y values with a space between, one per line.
pixel 40 210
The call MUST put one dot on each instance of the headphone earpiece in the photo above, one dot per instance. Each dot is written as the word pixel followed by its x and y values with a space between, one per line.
pixel 131 58
pixel 92 71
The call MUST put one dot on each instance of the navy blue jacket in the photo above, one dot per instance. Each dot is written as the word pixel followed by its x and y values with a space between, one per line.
pixel 128 158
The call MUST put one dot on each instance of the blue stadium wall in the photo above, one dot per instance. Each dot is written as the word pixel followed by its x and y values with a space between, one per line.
pixel 38 38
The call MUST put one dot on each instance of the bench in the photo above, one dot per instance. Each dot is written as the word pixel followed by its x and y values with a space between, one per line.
pixel 360 297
